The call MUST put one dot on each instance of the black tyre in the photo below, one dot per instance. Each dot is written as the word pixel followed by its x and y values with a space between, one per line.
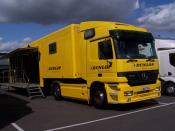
pixel 169 89
pixel 99 98
pixel 56 90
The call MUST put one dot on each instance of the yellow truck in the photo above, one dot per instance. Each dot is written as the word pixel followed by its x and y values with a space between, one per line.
pixel 98 62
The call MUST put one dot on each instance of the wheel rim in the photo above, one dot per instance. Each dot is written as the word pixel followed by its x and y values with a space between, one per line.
pixel 56 91
pixel 170 90
pixel 99 97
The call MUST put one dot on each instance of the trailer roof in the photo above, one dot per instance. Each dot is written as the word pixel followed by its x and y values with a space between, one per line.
pixel 21 51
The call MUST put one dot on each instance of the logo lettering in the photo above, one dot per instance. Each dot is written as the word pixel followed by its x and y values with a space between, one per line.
pixel 108 66
pixel 143 64
pixel 54 68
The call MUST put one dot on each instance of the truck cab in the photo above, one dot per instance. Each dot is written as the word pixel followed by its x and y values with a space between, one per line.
pixel 123 59
pixel 166 53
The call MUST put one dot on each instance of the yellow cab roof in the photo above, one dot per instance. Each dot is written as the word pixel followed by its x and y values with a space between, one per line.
pixel 110 25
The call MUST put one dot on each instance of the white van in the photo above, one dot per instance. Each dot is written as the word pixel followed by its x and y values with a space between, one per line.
pixel 166 53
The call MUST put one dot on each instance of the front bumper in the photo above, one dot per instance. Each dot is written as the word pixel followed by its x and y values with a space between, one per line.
pixel 116 95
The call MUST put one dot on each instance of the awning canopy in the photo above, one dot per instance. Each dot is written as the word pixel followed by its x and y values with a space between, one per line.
pixel 23 51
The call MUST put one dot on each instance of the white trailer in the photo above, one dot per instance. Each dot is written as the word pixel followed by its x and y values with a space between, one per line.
pixel 166 54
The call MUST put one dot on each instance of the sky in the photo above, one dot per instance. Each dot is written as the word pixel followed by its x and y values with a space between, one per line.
pixel 22 21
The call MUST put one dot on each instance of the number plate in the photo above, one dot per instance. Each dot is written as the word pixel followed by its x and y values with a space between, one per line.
pixel 146 89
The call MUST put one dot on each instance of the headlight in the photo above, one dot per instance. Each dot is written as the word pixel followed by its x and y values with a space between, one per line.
pixel 128 93
pixel 158 88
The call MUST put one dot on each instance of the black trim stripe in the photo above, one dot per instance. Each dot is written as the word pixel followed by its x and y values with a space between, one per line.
pixel 99 38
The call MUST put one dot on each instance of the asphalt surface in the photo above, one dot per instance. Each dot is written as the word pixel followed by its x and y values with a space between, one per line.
pixel 18 112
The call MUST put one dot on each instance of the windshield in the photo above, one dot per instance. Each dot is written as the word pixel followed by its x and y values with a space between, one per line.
pixel 134 46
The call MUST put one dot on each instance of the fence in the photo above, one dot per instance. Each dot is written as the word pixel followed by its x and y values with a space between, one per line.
pixel 13 76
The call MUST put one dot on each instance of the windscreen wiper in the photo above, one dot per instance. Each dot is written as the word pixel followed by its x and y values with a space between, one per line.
pixel 132 60
pixel 151 59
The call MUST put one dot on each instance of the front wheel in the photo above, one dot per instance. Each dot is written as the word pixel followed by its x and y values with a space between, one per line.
pixel 99 98
pixel 169 89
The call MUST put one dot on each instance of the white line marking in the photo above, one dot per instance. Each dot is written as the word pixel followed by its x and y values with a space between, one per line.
pixel 17 127
pixel 162 103
pixel 111 117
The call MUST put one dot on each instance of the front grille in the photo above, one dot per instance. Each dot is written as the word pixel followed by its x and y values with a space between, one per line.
pixel 141 92
pixel 137 78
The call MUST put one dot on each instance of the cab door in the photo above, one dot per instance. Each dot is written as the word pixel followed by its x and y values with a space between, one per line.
pixel 100 58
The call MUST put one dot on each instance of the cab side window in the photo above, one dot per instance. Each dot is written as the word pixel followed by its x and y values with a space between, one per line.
pixel 52 48
pixel 105 50
pixel 172 59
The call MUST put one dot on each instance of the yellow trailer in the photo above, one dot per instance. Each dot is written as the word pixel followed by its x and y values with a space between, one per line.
pixel 98 62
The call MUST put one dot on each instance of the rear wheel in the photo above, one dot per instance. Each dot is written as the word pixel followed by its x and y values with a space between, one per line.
pixel 169 89
pixel 56 90
pixel 99 98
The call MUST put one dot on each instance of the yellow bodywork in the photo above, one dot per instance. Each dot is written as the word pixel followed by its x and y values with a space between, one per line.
pixel 76 56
